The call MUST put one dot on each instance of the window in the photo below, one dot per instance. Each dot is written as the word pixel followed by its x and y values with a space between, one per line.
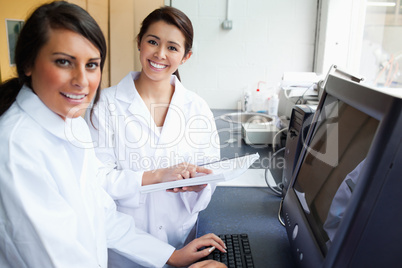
pixel 381 55
pixel 362 37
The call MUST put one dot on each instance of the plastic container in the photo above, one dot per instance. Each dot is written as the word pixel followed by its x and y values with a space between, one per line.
pixel 273 104
pixel 260 98
pixel 258 101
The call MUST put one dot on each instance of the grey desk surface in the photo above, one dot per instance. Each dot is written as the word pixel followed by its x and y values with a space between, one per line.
pixel 251 210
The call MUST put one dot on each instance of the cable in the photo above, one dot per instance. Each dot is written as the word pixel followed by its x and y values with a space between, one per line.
pixel 285 92
pixel 274 188
pixel 277 189
pixel 274 139
pixel 299 100
pixel 279 213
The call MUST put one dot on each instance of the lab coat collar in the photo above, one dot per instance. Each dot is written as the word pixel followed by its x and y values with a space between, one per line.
pixel 49 120
pixel 126 91
pixel 179 97
pixel 39 112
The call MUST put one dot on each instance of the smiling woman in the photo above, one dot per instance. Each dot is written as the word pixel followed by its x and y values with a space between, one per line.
pixel 148 121
pixel 66 73
pixel 43 32
pixel 53 211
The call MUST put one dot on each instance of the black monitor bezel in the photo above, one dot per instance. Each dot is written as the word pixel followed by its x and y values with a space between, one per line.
pixel 372 102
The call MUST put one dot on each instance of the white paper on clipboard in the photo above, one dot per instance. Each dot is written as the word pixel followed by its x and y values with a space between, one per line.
pixel 224 170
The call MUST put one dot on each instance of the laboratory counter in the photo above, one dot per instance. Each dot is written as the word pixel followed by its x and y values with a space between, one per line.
pixel 250 210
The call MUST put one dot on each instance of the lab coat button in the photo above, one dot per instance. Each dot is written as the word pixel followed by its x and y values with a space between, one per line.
pixel 160 227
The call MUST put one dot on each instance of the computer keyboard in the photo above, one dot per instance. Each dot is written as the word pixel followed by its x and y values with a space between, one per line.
pixel 238 252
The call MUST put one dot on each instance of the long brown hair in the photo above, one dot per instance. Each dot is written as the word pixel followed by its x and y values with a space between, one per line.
pixel 172 16
pixel 35 34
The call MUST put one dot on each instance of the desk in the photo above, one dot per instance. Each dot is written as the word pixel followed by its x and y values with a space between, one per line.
pixel 251 210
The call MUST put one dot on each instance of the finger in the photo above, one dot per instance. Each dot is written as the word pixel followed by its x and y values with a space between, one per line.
pixel 175 190
pixel 179 190
pixel 192 170
pixel 185 174
pixel 208 244
pixel 195 188
pixel 183 165
pixel 205 252
pixel 208 263
pixel 200 169
pixel 217 242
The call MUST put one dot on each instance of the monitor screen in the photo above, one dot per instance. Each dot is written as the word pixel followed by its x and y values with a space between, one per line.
pixel 329 171
pixel 343 204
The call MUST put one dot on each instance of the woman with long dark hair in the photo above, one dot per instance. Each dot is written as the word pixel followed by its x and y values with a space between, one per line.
pixel 53 211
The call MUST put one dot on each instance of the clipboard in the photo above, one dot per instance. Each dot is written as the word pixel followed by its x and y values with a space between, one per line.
pixel 223 170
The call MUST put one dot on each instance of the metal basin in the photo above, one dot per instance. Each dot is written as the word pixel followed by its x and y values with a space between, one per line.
pixel 247 117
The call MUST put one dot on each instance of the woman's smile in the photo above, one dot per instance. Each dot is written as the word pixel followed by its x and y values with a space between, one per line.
pixel 74 97
pixel 157 66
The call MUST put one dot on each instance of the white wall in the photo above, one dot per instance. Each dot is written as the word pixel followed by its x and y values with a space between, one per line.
pixel 268 38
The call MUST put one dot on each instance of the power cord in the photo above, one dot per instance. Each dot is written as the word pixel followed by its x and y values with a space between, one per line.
pixel 277 189
pixel 276 135
pixel 279 213
pixel 300 100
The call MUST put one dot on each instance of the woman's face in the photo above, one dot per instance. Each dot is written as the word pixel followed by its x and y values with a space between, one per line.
pixel 162 51
pixel 66 73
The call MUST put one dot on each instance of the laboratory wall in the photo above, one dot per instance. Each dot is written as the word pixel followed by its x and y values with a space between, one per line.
pixel 11 10
pixel 267 38
pixel 125 21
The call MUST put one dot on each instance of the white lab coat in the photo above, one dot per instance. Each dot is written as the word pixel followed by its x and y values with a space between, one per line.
pixel 129 143
pixel 53 213
pixel 340 203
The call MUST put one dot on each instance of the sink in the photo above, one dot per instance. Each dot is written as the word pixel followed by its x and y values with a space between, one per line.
pixel 248 117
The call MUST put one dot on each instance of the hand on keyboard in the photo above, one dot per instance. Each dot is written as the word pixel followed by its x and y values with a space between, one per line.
pixel 191 252
pixel 238 252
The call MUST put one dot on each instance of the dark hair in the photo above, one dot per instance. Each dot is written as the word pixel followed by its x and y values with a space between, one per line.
pixel 35 34
pixel 171 16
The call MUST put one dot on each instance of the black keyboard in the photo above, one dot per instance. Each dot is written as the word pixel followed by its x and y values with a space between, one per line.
pixel 238 252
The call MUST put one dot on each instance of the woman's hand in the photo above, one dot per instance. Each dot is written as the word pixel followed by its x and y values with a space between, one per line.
pixel 177 172
pixel 191 253
pixel 195 188
pixel 208 264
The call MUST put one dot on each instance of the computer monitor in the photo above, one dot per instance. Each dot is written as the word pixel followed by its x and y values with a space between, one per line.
pixel 343 207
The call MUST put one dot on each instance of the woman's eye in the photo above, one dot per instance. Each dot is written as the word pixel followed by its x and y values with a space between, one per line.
pixel 172 48
pixel 63 62
pixel 92 65
pixel 152 42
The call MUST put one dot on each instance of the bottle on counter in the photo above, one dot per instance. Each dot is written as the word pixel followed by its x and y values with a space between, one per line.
pixel 273 103
pixel 258 102
pixel 260 99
